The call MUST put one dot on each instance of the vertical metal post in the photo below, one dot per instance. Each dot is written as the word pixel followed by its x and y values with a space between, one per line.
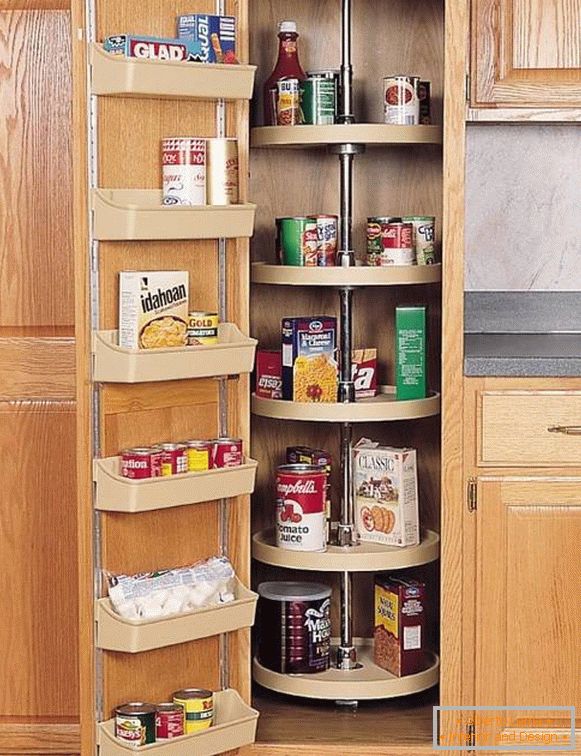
pixel 346 103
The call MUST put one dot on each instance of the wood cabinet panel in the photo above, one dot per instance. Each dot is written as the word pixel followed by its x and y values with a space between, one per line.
pixel 35 176
pixel 527 592
pixel 526 53
pixel 38 634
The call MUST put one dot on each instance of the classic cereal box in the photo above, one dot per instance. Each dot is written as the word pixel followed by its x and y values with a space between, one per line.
pixel 153 309
pixel 400 625
pixel 386 494
pixel 309 366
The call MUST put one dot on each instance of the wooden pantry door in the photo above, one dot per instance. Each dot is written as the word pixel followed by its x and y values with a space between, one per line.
pixel 38 580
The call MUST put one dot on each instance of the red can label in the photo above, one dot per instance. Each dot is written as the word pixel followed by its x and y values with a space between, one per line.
pixel 138 464
pixel 327 240
pixel 300 508
pixel 397 243
pixel 311 246
pixel 184 171
pixel 169 723
pixel 174 459
pixel 227 452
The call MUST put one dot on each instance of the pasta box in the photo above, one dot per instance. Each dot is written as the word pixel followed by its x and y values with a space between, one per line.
pixel 400 625
pixel 309 366
pixel 269 374
pixel 150 48
pixel 213 38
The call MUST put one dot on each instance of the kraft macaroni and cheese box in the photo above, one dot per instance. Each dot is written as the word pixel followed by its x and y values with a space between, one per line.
pixel 309 365
pixel 150 48
pixel 212 38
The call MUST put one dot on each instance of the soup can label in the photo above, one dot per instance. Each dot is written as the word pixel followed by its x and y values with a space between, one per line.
pixel 141 463
pixel 301 492
pixel 402 100
pixel 227 452
pixel 375 228
pixel 184 171
pixel 199 456
pixel 174 459
pixel 327 239
pixel 397 240
pixel 169 722
pixel 424 231
pixel 297 241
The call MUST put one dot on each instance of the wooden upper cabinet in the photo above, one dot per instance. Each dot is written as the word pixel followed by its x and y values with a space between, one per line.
pixel 528 586
pixel 526 53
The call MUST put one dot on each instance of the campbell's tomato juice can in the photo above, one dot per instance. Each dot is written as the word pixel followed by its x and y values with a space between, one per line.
pixel 184 171
pixel 141 463
pixel 301 492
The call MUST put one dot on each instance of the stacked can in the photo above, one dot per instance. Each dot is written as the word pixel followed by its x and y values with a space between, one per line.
pixel 307 241
pixel 390 241
pixel 320 97
pixel 200 171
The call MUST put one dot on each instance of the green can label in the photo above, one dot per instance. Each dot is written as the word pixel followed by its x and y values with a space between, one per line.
pixel 319 101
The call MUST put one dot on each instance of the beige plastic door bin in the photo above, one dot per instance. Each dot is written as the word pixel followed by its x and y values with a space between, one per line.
pixel 114 633
pixel 235 726
pixel 118 494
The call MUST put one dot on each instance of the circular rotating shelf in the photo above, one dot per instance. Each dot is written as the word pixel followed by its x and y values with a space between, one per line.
pixel 366 557
pixel 382 408
pixel 360 275
pixel 372 134
pixel 370 682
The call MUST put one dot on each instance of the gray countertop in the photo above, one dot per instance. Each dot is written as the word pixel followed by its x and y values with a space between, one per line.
pixel 523 334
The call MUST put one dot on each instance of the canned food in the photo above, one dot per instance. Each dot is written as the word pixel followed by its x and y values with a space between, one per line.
pixel 184 171
pixel 288 107
pixel 424 233
pixel 297 241
pixel 198 707
pixel 397 239
pixel 375 227
pixel 227 452
pixel 425 103
pixel 169 721
pixel 294 627
pixel 327 239
pixel 300 508
pixel 319 94
pixel 135 724
pixel 402 100
pixel 203 328
pixel 141 463
pixel 174 459
pixel 199 455
pixel 222 179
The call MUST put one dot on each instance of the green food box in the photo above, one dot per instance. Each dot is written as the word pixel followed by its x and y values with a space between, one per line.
pixel 411 353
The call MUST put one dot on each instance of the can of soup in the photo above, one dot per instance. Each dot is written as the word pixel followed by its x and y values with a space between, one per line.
pixel 424 233
pixel 294 627
pixel 402 100
pixel 297 241
pixel 425 103
pixel 135 724
pixel 375 228
pixel 327 239
pixel 198 707
pixel 199 455
pixel 222 158
pixel 203 328
pixel 169 721
pixel 397 240
pixel 141 463
pixel 184 171
pixel 319 97
pixel 174 459
pixel 227 452
pixel 301 492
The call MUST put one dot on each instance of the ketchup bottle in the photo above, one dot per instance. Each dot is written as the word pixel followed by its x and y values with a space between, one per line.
pixel 287 67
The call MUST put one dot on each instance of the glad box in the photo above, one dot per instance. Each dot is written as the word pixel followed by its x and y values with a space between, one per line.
pixel 386 494
pixel 150 48
pixel 211 38
pixel 153 309
pixel 300 508
pixel 309 368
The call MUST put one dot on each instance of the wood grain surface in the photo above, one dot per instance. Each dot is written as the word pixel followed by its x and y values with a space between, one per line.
pixel 50 736
pixel 37 366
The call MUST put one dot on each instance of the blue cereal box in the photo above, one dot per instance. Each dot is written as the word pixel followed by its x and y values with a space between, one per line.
pixel 150 48
pixel 309 365
pixel 213 38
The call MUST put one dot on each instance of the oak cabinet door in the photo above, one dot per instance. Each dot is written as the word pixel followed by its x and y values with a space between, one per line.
pixel 526 53
pixel 528 592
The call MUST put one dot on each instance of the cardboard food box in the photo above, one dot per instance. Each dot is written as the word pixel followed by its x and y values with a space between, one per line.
pixel 269 374
pixel 386 494
pixel 400 625
pixel 153 309
pixel 212 38
pixel 309 367
pixel 150 48
pixel 365 373
pixel 411 353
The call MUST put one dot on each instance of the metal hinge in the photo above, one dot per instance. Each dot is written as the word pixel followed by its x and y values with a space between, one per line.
pixel 471 735
pixel 467 88
pixel 472 494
